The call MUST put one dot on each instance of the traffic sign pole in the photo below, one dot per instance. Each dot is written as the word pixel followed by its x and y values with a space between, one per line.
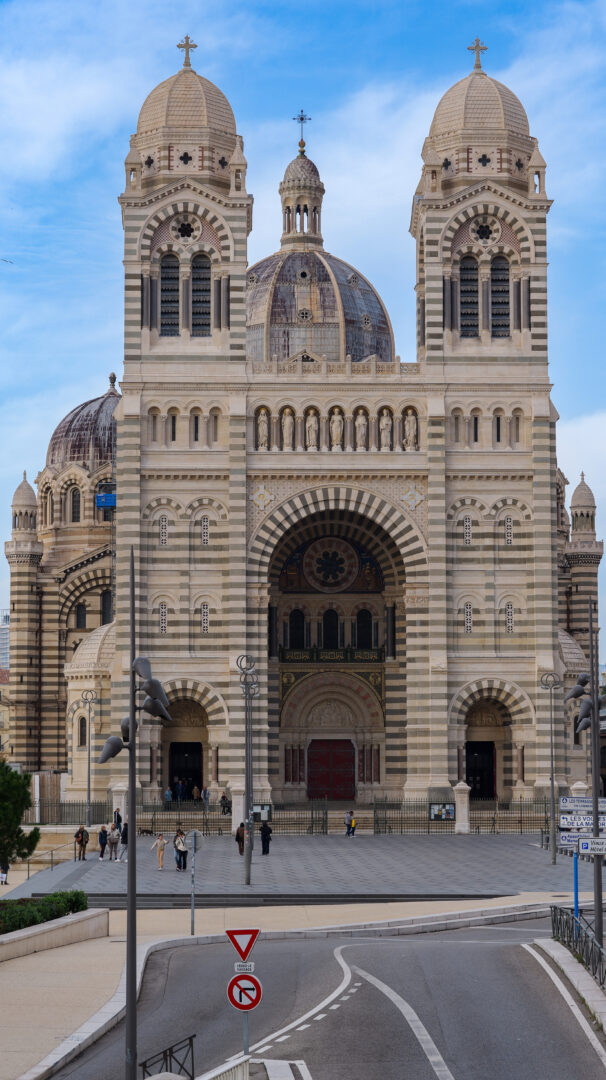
pixel 245 1038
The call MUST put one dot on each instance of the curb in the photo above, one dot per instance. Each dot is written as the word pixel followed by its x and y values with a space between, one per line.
pixel 114 1010
pixel 584 983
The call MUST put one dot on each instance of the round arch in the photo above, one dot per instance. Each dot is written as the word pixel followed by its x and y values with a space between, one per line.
pixel 509 694
pixel 203 694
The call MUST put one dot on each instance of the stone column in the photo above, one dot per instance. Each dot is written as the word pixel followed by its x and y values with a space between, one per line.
pixel 460 763
pixel 349 433
pixel 275 433
pixel 299 432
pixel 461 794
pixel 324 433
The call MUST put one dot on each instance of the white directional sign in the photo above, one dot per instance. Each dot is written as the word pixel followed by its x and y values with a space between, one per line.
pixel 570 839
pixel 592 845
pixel 580 804
pixel 580 821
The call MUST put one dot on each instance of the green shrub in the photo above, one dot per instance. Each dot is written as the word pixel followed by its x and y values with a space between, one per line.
pixel 19 914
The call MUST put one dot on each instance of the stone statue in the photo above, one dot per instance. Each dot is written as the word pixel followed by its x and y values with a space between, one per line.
pixel 288 429
pixel 385 426
pixel 263 430
pixel 311 430
pixel 411 431
pixel 361 429
pixel 336 429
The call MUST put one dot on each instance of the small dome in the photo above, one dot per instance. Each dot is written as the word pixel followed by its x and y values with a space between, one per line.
pixel 86 435
pixel 571 653
pixel 301 170
pixel 96 651
pixel 25 496
pixel 308 301
pixel 479 103
pixel 186 102
pixel 582 498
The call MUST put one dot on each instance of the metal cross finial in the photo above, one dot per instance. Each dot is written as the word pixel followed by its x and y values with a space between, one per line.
pixel 478 48
pixel 187 44
pixel 301 119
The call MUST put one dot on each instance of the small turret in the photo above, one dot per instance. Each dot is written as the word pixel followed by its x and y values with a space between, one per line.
pixel 24 507
pixel 583 507
pixel 583 555
pixel 301 192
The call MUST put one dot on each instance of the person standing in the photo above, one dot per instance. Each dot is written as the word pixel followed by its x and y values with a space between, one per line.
pixel 124 842
pixel 168 798
pixel 159 845
pixel 103 837
pixel 348 820
pixel 181 850
pixel 266 831
pixel 4 873
pixel 206 798
pixel 118 820
pixel 353 824
pixel 240 838
pixel 81 838
pixel 195 793
pixel 224 803
pixel 113 839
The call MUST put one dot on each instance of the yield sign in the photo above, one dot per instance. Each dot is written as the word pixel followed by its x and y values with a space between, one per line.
pixel 243 941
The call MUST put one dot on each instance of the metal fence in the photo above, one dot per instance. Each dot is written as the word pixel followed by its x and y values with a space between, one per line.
pixel 485 816
pixel 576 936
pixel 155 819
pixel 177 1059
pixel 56 812
pixel 305 819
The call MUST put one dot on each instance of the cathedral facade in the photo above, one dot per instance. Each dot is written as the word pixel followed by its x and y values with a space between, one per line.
pixel 387 539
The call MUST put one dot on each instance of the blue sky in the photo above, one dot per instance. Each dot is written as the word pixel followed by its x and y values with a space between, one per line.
pixel 74 75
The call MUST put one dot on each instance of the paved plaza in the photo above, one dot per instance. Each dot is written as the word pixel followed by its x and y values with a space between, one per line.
pixel 301 868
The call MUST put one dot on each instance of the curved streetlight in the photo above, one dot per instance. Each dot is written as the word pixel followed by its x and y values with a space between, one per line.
pixel 551 681
pixel 249 681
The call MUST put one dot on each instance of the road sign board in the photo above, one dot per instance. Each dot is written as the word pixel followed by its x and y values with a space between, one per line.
pixel 243 941
pixel 580 804
pixel 244 969
pixel 592 845
pixel 244 992
pixel 571 839
pixel 581 821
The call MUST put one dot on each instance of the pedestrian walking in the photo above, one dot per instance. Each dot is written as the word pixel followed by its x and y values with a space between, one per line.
pixel 113 839
pixel 348 820
pixel 81 837
pixel 159 846
pixel 103 837
pixel 118 820
pixel 240 838
pixel 266 831
pixel 124 843
pixel 168 798
pixel 181 850
pixel 353 824
pixel 3 873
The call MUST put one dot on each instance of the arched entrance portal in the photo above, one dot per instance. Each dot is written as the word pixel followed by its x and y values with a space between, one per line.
pixel 185 748
pixel 488 750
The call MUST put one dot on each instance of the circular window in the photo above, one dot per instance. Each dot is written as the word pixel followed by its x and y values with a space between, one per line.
pixel 253 279
pixel 366 322
pixel 485 230
pixel 303 275
pixel 186 228
pixel 304 315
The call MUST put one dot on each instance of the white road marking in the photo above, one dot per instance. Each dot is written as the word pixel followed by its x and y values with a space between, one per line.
pixel 418 1029
pixel 576 1012
pixel 283 1038
pixel 321 1016
pixel 337 1006
pixel 303 1027
pixel 263 1049
pixel 302 1067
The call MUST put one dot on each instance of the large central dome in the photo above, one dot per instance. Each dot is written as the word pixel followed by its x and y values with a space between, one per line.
pixel 86 435
pixel 479 103
pixel 187 102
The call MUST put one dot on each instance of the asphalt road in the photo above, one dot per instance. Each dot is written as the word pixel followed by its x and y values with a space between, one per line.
pixel 460 1005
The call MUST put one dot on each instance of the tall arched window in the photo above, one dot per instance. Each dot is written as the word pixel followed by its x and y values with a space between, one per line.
pixel 107 613
pixel 106 487
pixel 200 296
pixel 330 629
pixel 468 286
pixel 81 731
pixel 364 629
pixel 80 616
pixel 499 297
pixel 169 296
pixel 51 509
pixel 296 629
pixel 75 507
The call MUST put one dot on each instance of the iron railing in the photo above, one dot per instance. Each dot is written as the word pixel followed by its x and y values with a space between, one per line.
pixel 56 812
pixel 576 935
pixel 485 816
pixel 348 654
pixel 412 816
pixel 184 816
pixel 177 1059
pixel 300 819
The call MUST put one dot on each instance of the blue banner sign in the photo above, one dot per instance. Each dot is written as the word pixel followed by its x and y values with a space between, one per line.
pixel 108 499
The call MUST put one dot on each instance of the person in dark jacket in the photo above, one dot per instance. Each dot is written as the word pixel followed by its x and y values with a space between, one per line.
pixel 118 820
pixel 81 838
pixel 102 840
pixel 266 831
pixel 240 838
pixel 124 842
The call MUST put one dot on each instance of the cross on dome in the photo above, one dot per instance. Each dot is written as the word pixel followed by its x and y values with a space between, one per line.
pixel 187 44
pixel 301 119
pixel 478 47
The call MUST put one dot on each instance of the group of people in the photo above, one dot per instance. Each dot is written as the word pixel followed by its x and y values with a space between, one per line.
pixel 179 847
pixel 110 839
pixel 265 830
pixel 185 790
pixel 350 823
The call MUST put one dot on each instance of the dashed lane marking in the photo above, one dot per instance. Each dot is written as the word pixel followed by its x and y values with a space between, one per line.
pixel 303 1027
pixel 321 1016
pixel 283 1038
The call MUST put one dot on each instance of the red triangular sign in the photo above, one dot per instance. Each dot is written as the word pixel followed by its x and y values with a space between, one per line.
pixel 243 940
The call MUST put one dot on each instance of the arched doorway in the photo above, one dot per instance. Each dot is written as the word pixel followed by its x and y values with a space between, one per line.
pixel 488 750
pixel 185 749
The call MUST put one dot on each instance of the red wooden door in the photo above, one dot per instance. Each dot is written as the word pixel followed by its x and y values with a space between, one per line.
pixel 331 769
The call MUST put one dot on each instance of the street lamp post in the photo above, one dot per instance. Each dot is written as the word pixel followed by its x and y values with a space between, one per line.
pixel 155 704
pixel 88 697
pixel 550 681
pixel 249 681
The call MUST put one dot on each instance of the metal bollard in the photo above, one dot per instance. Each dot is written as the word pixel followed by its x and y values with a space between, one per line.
pixel 52 859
